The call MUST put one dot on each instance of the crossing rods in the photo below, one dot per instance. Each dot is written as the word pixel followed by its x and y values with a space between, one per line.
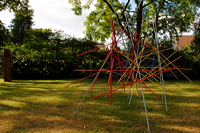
pixel 140 61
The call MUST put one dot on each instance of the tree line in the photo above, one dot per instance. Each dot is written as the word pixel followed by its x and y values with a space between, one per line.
pixel 51 54
pixel 43 53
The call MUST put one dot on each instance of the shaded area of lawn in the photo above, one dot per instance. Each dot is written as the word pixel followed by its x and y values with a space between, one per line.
pixel 47 106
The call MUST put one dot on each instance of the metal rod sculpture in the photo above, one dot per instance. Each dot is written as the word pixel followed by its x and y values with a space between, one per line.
pixel 141 61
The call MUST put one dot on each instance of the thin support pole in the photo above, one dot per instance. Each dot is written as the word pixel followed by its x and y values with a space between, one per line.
pixel 163 91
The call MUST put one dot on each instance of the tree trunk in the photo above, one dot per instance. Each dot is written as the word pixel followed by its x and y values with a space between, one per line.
pixel 139 20
pixel 7 66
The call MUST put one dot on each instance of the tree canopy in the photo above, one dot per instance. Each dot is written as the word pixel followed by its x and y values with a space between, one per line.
pixel 98 23
pixel 171 17
pixel 22 20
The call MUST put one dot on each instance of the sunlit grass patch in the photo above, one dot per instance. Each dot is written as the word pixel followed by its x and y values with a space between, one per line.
pixel 12 103
pixel 184 129
pixel 48 99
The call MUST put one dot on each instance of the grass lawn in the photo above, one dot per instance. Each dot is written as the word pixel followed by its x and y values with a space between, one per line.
pixel 47 106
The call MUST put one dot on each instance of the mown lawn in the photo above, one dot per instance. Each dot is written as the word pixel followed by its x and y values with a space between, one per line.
pixel 48 106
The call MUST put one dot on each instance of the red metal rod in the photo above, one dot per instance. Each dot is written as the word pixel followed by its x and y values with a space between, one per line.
pixel 147 88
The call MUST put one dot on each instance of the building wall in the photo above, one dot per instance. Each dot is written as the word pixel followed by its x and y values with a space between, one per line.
pixel 183 40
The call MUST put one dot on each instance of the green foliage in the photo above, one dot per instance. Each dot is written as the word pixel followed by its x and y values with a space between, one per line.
pixel 98 23
pixel 171 17
pixel 4 35
pixel 78 6
pixel 11 4
pixel 195 46
pixel 44 53
pixel 21 24
pixel 48 54
pixel 168 19
pixel 192 54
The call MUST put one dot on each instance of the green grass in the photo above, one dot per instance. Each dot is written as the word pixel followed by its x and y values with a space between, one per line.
pixel 28 106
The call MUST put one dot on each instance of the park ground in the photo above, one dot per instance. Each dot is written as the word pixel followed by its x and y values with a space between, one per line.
pixel 47 106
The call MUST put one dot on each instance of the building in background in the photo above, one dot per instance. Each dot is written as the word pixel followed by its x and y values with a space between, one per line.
pixel 184 40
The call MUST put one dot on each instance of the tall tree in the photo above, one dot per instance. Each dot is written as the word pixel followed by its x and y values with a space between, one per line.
pixel 21 24
pixel 11 5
